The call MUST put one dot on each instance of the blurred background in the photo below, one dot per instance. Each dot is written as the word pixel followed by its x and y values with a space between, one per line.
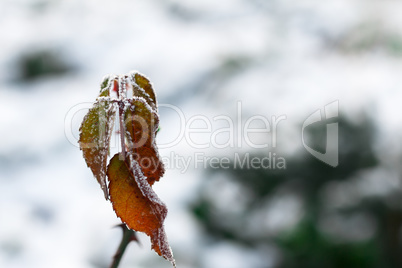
pixel 207 59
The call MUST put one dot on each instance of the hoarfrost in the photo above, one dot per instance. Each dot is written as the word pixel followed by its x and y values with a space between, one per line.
pixel 138 90
pixel 143 100
pixel 146 189
pixel 96 130
pixel 122 87
pixel 158 237
pixel 163 245
pixel 104 99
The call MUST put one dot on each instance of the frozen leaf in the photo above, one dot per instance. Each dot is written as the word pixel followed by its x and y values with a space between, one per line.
pixel 104 92
pixel 95 133
pixel 141 124
pixel 142 87
pixel 136 204
pixel 132 172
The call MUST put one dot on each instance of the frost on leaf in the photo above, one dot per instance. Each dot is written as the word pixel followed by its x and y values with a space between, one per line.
pixel 104 92
pixel 141 125
pixel 136 203
pixel 95 133
pixel 132 172
pixel 142 87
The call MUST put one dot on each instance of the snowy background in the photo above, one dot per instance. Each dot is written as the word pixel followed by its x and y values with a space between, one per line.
pixel 275 57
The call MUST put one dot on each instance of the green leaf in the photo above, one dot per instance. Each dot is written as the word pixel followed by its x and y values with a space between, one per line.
pixel 142 87
pixel 105 86
pixel 95 134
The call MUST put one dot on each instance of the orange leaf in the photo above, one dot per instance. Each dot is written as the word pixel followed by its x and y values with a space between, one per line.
pixel 136 204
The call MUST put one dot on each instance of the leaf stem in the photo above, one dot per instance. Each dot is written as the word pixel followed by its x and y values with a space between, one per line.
pixel 128 236
pixel 122 129
pixel 121 94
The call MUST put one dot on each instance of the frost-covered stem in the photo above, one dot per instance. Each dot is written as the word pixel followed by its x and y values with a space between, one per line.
pixel 121 94
pixel 128 236
pixel 122 130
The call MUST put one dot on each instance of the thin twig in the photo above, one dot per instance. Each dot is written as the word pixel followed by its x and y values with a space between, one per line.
pixel 128 236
